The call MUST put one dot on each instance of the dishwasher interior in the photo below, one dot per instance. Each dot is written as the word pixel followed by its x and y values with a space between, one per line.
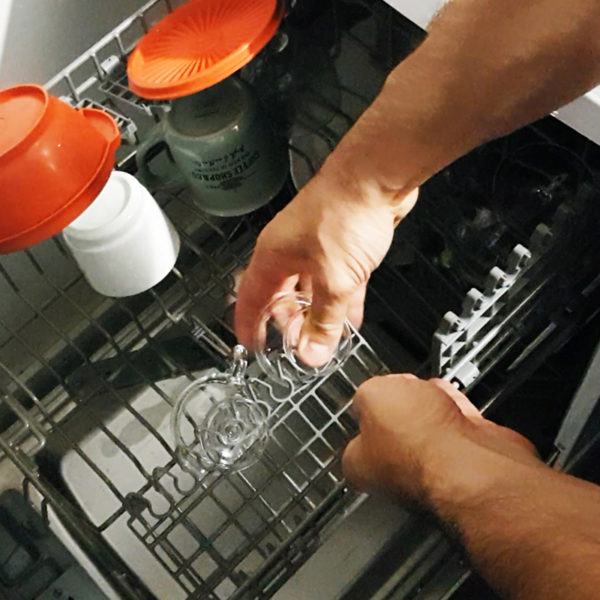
pixel 491 282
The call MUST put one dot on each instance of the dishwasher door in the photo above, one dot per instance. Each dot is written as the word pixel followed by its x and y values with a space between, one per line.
pixel 469 290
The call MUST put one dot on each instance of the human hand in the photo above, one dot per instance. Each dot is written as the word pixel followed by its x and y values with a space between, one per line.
pixel 423 441
pixel 326 243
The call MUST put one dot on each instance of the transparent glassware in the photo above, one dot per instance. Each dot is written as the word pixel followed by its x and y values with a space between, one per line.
pixel 219 420
pixel 218 423
pixel 276 341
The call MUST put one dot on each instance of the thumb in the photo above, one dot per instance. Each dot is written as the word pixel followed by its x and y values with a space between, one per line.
pixel 322 330
pixel 354 466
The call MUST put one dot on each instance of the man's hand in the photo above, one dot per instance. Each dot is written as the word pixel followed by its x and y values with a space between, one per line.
pixel 419 438
pixel 326 242
pixel 530 531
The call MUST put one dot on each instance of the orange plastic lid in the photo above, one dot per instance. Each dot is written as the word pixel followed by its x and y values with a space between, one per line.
pixel 200 44
pixel 21 109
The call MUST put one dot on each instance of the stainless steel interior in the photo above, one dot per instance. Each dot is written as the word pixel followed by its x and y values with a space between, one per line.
pixel 88 382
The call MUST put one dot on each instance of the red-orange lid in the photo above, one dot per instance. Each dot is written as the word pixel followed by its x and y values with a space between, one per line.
pixel 21 109
pixel 200 44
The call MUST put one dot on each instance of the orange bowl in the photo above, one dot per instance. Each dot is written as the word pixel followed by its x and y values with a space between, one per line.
pixel 54 160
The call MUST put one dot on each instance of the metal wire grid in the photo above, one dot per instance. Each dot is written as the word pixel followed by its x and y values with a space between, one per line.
pixel 80 78
pixel 264 521
pixel 304 465
pixel 217 537
pixel 62 328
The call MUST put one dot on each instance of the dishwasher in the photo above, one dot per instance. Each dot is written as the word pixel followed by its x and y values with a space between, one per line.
pixel 492 282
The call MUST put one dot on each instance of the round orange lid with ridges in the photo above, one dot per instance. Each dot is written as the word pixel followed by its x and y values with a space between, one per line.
pixel 200 44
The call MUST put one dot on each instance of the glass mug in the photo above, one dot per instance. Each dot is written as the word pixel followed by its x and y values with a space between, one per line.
pixel 219 420
pixel 223 148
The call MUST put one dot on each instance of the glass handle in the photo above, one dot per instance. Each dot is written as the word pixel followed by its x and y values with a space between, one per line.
pixel 239 362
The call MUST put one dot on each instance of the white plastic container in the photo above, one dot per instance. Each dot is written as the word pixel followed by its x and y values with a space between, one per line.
pixel 123 242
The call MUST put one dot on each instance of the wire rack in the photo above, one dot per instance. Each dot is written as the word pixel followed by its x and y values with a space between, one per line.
pixel 87 382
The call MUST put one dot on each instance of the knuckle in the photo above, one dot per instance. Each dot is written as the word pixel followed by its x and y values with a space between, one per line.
pixel 325 328
pixel 370 384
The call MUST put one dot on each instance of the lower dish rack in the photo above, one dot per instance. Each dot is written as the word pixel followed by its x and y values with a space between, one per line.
pixel 88 383
pixel 98 445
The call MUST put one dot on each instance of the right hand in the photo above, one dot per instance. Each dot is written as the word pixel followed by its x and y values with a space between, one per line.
pixel 326 242
pixel 421 441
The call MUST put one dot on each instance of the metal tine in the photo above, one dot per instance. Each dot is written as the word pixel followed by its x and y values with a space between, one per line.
pixel 162 540
pixel 67 514
pixel 328 135
pixel 305 447
pixel 226 565
pixel 324 101
pixel 9 279
pixel 215 281
pixel 112 342
pixel 347 90
pixel 256 495
pixel 49 417
pixel 151 341
pixel 109 338
pixel 50 420
pixel 38 357
pixel 317 434
pixel 197 330
pixel 103 43
pixel 193 288
pixel 69 81
pixel 21 413
pixel 120 45
pixel 181 198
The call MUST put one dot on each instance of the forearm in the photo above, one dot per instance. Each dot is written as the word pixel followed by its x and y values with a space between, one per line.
pixel 533 533
pixel 486 68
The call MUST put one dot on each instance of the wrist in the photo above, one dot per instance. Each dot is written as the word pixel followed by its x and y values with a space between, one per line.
pixel 468 474
pixel 348 182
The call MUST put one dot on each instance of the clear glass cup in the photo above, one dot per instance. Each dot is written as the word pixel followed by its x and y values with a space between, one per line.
pixel 276 341
pixel 218 423
pixel 219 420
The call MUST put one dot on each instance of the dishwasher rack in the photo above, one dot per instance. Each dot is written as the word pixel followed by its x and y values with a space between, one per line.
pixel 74 366
pixel 86 382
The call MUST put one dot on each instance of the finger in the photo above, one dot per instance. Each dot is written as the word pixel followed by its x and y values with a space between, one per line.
pixel 405 205
pixel 354 465
pixel 305 284
pixel 323 328
pixel 467 408
pixel 260 282
pixel 356 306
pixel 366 392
